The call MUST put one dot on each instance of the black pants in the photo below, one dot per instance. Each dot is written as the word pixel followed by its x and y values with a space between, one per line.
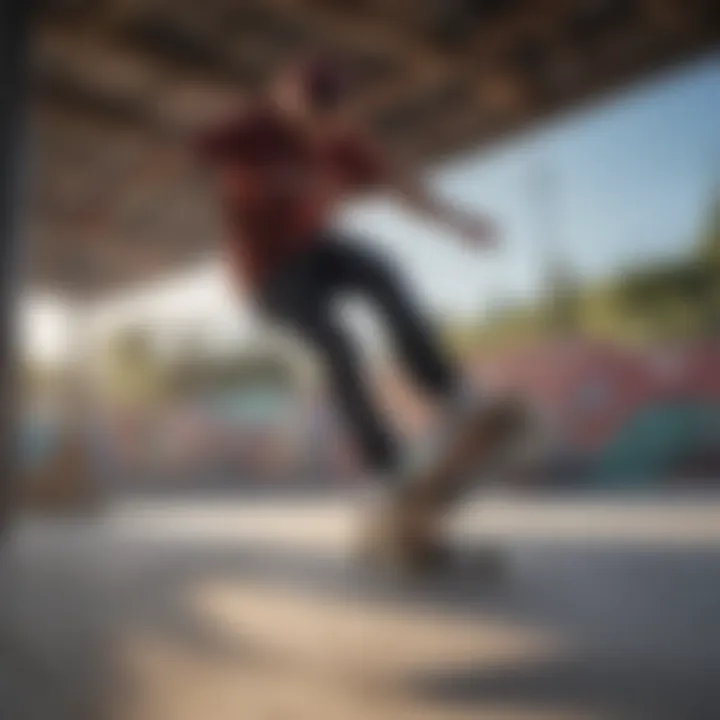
pixel 301 296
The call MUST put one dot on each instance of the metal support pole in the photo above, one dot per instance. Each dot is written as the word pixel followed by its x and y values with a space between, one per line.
pixel 14 29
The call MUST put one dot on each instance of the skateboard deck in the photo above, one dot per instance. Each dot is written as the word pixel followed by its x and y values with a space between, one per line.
pixel 481 440
pixel 411 531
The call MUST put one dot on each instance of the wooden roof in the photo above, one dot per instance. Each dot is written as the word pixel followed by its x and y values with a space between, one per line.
pixel 435 77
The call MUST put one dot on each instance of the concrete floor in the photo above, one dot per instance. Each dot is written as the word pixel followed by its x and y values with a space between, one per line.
pixel 253 610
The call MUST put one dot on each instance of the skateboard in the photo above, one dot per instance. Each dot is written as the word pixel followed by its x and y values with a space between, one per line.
pixel 409 531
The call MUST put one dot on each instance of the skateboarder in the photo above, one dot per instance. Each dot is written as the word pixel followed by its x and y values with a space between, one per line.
pixel 284 166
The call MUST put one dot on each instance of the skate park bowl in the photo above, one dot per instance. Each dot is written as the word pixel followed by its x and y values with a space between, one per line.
pixel 180 539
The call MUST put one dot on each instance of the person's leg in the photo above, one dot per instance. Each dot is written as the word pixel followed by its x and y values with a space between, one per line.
pixel 301 300
pixel 418 346
pixel 351 390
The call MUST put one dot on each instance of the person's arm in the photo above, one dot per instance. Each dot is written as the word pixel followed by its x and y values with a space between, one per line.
pixel 368 162
pixel 474 227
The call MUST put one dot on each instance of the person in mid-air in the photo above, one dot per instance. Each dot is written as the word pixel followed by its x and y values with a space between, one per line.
pixel 284 167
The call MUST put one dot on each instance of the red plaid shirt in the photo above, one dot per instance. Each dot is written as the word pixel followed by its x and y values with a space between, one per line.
pixel 281 185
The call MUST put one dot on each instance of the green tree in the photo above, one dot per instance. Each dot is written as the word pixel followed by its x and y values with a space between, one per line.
pixel 680 299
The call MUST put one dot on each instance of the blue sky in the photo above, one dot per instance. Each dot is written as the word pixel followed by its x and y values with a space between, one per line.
pixel 631 176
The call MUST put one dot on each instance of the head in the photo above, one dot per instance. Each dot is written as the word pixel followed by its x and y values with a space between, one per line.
pixel 315 89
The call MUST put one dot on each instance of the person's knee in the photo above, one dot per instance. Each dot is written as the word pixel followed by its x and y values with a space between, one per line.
pixel 388 283
pixel 373 269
